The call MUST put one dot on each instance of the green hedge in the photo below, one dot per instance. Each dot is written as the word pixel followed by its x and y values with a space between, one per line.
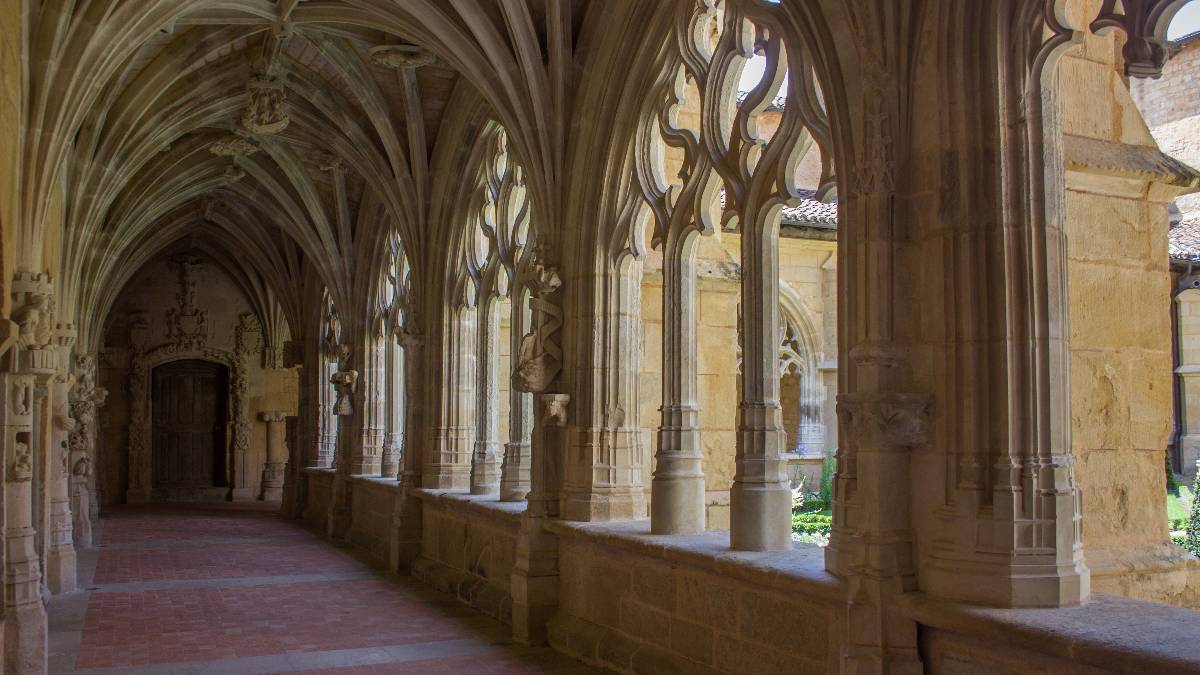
pixel 811 523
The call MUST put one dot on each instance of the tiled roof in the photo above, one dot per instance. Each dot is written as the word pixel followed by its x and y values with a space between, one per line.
pixel 811 212
pixel 1184 240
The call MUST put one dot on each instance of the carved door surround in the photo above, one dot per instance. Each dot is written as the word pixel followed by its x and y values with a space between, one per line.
pixel 141 467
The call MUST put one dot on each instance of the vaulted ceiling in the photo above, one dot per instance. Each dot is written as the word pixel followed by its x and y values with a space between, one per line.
pixel 286 138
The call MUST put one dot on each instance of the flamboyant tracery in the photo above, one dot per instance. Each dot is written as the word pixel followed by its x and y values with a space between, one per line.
pixel 442 219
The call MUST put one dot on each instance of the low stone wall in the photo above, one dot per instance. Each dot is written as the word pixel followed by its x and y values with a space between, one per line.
pixel 1105 634
pixel 636 602
pixel 468 547
pixel 631 601
pixel 373 502
pixel 1164 573
pixel 318 491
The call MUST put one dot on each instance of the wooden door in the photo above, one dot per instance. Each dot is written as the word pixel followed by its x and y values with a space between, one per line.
pixel 189 400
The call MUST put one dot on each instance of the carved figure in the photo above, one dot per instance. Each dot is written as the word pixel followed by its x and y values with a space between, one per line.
pixel 345 382
pixel 540 358
pixel 22 464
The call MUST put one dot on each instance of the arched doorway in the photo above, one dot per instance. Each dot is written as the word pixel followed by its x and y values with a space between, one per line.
pixel 190 399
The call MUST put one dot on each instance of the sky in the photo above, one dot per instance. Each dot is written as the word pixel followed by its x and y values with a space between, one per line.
pixel 1185 22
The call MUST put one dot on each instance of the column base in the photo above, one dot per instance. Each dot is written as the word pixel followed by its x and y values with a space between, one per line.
pixel 760 517
pixel 25 639
pixel 446 477
pixel 272 494
pixel 60 570
pixel 608 505
pixel 1002 585
pixel 677 505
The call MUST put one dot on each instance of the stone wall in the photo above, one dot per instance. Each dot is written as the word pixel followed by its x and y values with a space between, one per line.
pixel 318 495
pixel 1120 329
pixel 372 503
pixel 469 547
pixel 139 322
pixel 634 603
pixel 1171 107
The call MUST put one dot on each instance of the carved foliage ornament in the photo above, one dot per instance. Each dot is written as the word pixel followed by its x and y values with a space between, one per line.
pixel 886 421
pixel 232 145
pixel 187 325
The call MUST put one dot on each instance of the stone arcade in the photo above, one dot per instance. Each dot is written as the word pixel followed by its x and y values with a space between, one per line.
pixel 550 304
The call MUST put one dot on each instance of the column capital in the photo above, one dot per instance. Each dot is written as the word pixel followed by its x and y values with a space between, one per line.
pixel 272 415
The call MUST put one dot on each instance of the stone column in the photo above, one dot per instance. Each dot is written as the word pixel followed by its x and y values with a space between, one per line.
pixel 406 518
pixel 60 554
pixel 24 614
pixel 677 489
pixel 393 439
pixel 25 617
pixel 366 455
pixel 603 478
pixel 485 474
pixel 448 465
pixel 1188 335
pixel 327 431
pixel 760 500
pixel 277 455
pixel 345 382
pixel 514 473
pixel 534 580
pixel 85 399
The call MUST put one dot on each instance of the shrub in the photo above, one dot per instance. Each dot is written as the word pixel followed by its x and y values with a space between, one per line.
pixel 1173 483
pixel 1193 529
pixel 812 523
pixel 828 466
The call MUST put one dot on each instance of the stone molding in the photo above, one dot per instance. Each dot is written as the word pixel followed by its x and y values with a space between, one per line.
pixel 140 451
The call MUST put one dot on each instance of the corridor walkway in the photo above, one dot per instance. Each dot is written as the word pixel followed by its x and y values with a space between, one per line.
pixel 225 589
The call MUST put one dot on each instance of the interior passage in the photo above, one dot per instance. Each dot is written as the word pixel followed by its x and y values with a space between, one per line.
pixel 236 589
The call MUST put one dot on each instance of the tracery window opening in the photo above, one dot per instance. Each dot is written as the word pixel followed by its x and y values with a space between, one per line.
pixel 327 433
pixel 494 259
pixel 394 299
pixel 698 139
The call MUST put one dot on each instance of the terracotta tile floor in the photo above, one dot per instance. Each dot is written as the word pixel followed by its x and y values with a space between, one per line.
pixel 221 589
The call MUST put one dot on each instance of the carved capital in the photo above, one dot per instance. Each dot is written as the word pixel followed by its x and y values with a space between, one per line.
pixel 887 420
pixel 1144 23
pixel 272 416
